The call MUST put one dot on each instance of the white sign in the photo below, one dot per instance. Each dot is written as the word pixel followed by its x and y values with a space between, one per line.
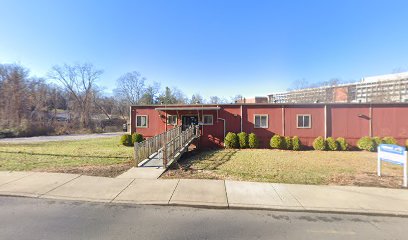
pixel 393 154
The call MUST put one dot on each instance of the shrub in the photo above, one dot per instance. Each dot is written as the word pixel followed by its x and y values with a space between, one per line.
pixel 7 133
pixel 332 144
pixel 253 141
pixel 320 144
pixel 343 145
pixel 389 140
pixel 136 138
pixel 277 142
pixel 231 140
pixel 377 140
pixel 367 143
pixel 288 143
pixel 126 140
pixel 243 139
pixel 296 144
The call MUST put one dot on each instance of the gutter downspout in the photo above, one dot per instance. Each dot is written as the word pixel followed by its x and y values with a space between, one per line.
pixel 370 122
pixel 165 118
pixel 222 119
pixel 178 118
pixel 325 121
pixel 283 120
pixel 130 119
pixel 202 119
pixel 241 117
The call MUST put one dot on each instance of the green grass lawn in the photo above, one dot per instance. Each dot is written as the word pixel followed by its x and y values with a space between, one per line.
pixel 304 167
pixel 102 156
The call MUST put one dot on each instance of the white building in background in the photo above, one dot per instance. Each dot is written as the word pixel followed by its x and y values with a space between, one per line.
pixel 383 88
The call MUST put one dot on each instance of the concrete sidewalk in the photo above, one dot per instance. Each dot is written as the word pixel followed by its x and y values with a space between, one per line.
pixel 207 193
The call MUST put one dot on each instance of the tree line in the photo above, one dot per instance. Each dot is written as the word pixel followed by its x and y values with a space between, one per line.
pixel 69 99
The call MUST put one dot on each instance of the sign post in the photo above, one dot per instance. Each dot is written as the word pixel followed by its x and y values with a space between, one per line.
pixel 393 154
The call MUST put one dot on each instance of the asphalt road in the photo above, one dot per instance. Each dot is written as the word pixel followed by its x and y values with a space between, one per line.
pixel 74 137
pixel 27 218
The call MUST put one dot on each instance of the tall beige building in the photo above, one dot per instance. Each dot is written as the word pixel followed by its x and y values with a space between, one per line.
pixel 383 88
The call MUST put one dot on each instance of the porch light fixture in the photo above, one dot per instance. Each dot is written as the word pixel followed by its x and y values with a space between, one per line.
pixel 363 116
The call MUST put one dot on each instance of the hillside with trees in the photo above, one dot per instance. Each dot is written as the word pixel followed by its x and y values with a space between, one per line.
pixel 69 100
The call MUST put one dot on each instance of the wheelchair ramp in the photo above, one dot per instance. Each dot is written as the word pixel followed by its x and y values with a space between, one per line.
pixel 162 150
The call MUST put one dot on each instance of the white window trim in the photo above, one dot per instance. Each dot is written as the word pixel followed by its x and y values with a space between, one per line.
pixel 212 119
pixel 173 124
pixel 261 115
pixel 147 121
pixel 310 120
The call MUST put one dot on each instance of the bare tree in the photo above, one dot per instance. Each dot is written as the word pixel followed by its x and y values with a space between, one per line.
pixel 131 87
pixel 172 96
pixel 399 70
pixel 197 99
pixel 333 82
pixel 303 84
pixel 38 96
pixel 26 102
pixel 236 98
pixel 299 84
pixel 151 94
pixel 214 100
pixel 13 100
pixel 179 96
pixel 103 104
pixel 217 100
pixel 79 81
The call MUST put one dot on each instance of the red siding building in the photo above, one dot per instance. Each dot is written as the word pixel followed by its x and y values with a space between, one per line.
pixel 308 121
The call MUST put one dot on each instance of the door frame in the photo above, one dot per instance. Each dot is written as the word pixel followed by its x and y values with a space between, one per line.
pixel 189 115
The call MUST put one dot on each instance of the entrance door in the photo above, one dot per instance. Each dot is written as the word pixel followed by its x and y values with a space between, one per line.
pixel 187 121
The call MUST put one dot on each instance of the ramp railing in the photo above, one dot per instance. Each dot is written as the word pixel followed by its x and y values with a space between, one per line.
pixel 165 145
pixel 177 143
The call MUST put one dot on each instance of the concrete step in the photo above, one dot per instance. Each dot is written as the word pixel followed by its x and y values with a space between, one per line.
pixel 143 173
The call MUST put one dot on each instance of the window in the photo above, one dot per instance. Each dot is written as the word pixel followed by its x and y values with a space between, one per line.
pixel 304 121
pixel 172 120
pixel 261 121
pixel 141 121
pixel 208 119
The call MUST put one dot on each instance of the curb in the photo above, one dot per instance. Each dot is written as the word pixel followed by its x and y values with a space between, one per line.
pixel 203 206
pixel 328 211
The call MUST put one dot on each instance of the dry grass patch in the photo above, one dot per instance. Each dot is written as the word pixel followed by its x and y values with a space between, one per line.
pixel 304 167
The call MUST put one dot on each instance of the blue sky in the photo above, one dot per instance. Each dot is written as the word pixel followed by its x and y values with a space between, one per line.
pixel 210 47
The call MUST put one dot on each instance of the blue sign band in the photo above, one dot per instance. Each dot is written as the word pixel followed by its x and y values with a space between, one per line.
pixel 391 148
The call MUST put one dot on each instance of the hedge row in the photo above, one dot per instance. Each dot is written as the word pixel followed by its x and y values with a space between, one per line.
pixel 241 140
pixel 331 144
pixel 287 143
pixel 371 144
pixel 364 143
pixel 130 140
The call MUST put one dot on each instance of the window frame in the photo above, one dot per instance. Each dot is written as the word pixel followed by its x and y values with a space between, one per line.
pixel 147 121
pixel 212 119
pixel 175 122
pixel 304 115
pixel 260 120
